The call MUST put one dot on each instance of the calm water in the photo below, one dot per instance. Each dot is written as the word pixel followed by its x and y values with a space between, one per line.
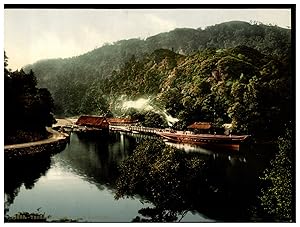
pixel 78 183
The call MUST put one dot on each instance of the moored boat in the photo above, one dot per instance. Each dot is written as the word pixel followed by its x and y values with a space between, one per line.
pixel 209 141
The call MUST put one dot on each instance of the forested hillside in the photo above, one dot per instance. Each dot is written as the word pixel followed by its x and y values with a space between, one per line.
pixel 235 85
pixel 73 80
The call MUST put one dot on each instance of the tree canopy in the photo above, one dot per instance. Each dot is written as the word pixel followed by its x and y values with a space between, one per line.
pixel 72 80
pixel 27 109
pixel 278 195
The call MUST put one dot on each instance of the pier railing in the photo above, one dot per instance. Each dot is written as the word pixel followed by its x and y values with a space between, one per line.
pixel 139 129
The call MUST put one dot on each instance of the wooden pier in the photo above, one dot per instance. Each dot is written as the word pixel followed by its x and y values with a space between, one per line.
pixel 139 129
pixel 221 142
pixel 143 129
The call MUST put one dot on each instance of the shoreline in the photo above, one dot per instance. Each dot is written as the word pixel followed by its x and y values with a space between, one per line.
pixel 50 145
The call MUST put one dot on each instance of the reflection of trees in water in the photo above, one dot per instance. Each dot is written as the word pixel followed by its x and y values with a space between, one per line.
pixel 163 176
pixel 25 171
pixel 176 182
pixel 96 157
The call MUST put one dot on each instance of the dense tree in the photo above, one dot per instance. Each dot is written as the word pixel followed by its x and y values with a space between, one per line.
pixel 68 79
pixel 27 109
pixel 154 120
pixel 175 182
pixel 231 86
pixel 277 198
pixel 94 102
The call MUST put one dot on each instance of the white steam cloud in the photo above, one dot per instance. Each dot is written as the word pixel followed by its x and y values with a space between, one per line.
pixel 171 120
pixel 140 104
pixel 143 104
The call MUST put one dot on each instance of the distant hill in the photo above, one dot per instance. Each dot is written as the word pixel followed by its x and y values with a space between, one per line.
pixel 72 80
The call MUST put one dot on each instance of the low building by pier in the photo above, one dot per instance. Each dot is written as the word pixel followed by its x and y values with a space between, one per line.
pixel 95 122
pixel 201 127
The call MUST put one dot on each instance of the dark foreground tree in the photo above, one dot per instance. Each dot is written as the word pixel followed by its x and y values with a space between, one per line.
pixel 277 199
pixel 27 109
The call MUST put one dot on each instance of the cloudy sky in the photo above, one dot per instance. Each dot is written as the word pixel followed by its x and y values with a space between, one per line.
pixel 31 35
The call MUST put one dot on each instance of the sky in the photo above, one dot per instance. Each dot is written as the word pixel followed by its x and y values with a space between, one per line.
pixel 31 35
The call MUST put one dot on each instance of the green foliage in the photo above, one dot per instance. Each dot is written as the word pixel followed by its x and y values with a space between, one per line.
pixel 113 70
pixel 266 39
pixel 94 102
pixel 221 86
pixel 231 86
pixel 277 199
pixel 142 77
pixel 154 120
pixel 27 109
pixel 180 125
pixel 162 175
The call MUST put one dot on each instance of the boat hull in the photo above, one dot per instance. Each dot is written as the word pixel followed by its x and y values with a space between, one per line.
pixel 213 142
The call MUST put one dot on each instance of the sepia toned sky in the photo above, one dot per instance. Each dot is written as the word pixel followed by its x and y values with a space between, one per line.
pixel 31 35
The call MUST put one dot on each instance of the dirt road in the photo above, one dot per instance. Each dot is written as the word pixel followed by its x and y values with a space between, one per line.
pixel 55 137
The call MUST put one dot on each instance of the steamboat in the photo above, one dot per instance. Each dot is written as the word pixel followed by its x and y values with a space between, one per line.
pixel 209 141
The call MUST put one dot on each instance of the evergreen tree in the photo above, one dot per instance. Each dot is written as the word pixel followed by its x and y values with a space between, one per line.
pixel 27 109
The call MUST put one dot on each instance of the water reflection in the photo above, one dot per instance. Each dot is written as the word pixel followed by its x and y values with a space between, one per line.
pixel 68 183
pixel 96 159
pixel 225 190
pixel 190 148
pixel 22 172
pixel 80 182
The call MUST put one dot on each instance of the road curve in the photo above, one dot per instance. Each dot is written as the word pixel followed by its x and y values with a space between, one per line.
pixel 54 137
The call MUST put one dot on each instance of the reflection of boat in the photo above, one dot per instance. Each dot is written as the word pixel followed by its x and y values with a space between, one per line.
pixel 189 147
pixel 225 142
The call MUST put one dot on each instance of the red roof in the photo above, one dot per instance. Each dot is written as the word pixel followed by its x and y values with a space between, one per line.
pixel 92 121
pixel 200 125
